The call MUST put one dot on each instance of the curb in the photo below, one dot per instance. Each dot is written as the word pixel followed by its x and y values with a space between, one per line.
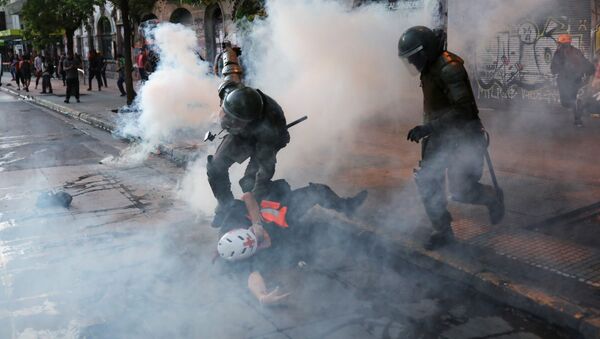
pixel 500 288
pixel 177 156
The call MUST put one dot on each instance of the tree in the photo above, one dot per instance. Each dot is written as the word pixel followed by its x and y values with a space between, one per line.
pixel 48 16
pixel 131 12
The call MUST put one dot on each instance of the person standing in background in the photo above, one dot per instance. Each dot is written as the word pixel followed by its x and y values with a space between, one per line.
pixel 570 66
pixel 102 63
pixel 11 59
pixel 61 72
pixel 25 70
pixel 141 64
pixel 16 66
pixel 70 65
pixel 94 70
pixel 37 65
pixel 47 70
pixel 121 71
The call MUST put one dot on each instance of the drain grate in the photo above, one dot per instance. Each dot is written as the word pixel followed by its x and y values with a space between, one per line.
pixel 562 257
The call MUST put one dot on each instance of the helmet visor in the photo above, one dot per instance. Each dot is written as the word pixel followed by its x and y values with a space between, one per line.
pixel 415 60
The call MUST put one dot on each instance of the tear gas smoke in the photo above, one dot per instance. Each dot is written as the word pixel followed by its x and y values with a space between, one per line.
pixel 179 95
pixel 178 100
pixel 338 66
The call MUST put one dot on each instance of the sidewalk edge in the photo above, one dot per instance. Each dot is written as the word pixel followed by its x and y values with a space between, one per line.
pixel 557 310
pixel 178 157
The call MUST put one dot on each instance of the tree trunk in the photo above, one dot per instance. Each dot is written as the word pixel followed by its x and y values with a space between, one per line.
pixel 70 33
pixel 127 50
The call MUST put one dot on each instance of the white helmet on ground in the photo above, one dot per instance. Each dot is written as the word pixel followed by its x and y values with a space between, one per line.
pixel 237 244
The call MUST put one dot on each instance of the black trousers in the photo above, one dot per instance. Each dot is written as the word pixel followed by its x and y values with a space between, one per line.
pixel 72 88
pixel 257 175
pixel 98 77
pixel 120 85
pixel 46 83
pixel 458 160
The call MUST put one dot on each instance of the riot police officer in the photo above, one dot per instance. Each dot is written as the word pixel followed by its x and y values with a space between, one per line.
pixel 453 139
pixel 257 130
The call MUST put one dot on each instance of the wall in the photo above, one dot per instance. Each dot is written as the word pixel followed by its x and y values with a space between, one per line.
pixel 513 62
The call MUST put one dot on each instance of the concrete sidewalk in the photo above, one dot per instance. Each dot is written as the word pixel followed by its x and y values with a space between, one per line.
pixel 99 109
pixel 544 258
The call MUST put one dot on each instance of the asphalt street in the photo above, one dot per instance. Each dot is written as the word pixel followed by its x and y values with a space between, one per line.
pixel 129 260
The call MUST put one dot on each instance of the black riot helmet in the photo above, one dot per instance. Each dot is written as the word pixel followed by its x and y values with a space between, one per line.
pixel 243 104
pixel 420 46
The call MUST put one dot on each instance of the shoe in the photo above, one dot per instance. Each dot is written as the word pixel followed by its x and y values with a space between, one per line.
pixel 578 123
pixel 496 209
pixel 43 92
pixel 352 204
pixel 89 89
pixel 26 89
pixel 439 239
pixel 78 101
pixel 50 92
pixel 66 101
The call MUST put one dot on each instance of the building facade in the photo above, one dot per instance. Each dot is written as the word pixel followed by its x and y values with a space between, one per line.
pixel 10 27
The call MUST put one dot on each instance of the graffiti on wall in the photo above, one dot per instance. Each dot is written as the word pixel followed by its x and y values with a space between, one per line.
pixel 516 63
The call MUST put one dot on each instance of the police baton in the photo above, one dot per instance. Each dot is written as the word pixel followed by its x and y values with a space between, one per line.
pixel 209 136
pixel 296 122
pixel 488 160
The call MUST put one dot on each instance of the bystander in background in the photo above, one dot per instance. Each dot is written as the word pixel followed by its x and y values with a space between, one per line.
pixel 70 66
pixel 571 66
pixel 25 70
pixel 61 71
pixel 47 70
pixel 121 72
pixel 141 63
pixel 102 63
pixel 94 69
pixel 37 65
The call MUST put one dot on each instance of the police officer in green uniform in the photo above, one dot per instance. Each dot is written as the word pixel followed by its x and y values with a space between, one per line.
pixel 453 138
pixel 257 130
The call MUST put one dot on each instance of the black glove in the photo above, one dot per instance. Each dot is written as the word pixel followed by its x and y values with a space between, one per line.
pixel 419 132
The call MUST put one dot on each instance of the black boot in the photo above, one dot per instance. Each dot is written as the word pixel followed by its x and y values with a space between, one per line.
pixel 439 239
pixel 496 209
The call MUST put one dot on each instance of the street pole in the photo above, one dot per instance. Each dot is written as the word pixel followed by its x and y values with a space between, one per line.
pixel 127 50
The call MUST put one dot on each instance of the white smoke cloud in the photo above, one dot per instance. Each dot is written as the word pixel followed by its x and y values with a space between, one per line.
pixel 179 95
pixel 338 66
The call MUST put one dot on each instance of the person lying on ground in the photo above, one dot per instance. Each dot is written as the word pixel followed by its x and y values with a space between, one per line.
pixel 262 237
